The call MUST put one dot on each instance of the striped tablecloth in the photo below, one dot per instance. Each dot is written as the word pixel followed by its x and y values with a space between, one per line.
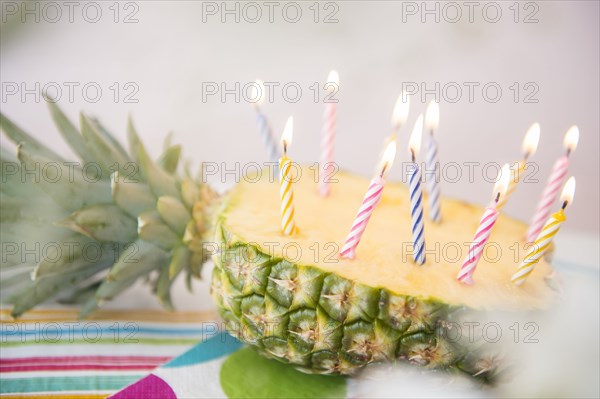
pixel 49 353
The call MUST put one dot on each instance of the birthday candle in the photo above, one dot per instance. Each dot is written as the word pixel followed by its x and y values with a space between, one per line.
pixel 557 176
pixel 432 117
pixel 370 201
pixel 486 224
pixel 416 195
pixel 400 113
pixel 328 136
pixel 288 225
pixel 529 147
pixel 258 91
pixel 544 239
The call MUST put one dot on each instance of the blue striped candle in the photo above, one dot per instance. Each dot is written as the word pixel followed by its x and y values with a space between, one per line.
pixel 416 214
pixel 416 195
pixel 264 128
pixel 267 135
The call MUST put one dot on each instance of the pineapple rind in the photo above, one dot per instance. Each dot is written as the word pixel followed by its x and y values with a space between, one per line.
pixel 324 323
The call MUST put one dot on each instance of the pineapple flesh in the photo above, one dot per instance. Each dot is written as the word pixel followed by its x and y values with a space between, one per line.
pixel 290 297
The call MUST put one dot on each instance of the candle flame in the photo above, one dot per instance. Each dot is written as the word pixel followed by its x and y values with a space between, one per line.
pixel 333 82
pixel 568 191
pixel 257 92
pixel 571 138
pixel 388 157
pixel 401 109
pixel 432 116
pixel 288 132
pixel 414 143
pixel 531 140
pixel 333 77
pixel 502 181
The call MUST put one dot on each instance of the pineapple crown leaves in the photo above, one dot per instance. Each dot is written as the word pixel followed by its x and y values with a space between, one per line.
pixel 103 223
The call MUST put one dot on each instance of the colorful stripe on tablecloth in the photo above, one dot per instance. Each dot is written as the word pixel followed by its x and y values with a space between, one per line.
pixel 192 374
pixel 49 353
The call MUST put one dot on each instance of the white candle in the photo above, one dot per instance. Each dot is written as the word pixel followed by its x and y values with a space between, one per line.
pixel 400 113
pixel 529 147
pixel 432 117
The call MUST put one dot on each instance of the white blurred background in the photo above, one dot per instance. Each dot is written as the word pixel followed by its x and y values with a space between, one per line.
pixel 378 48
pixel 163 61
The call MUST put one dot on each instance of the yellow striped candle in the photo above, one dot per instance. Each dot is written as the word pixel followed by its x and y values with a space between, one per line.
pixel 286 192
pixel 529 147
pixel 544 239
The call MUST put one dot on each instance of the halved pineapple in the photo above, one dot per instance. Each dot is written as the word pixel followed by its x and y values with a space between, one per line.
pixel 291 297
pixel 296 300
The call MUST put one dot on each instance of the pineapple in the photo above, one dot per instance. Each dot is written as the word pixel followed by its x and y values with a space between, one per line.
pixel 290 297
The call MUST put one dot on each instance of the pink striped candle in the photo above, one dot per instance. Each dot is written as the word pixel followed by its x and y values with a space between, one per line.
pixel 372 198
pixel 486 224
pixel 328 136
pixel 555 182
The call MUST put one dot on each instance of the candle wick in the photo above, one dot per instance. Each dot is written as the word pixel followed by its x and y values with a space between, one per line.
pixel 383 170
pixel 284 148
pixel 412 152
pixel 497 197
pixel 526 156
pixel 568 151
pixel 564 205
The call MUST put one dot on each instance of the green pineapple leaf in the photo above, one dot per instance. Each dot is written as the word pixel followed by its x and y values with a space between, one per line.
pixel 70 133
pixel 18 136
pixel 63 183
